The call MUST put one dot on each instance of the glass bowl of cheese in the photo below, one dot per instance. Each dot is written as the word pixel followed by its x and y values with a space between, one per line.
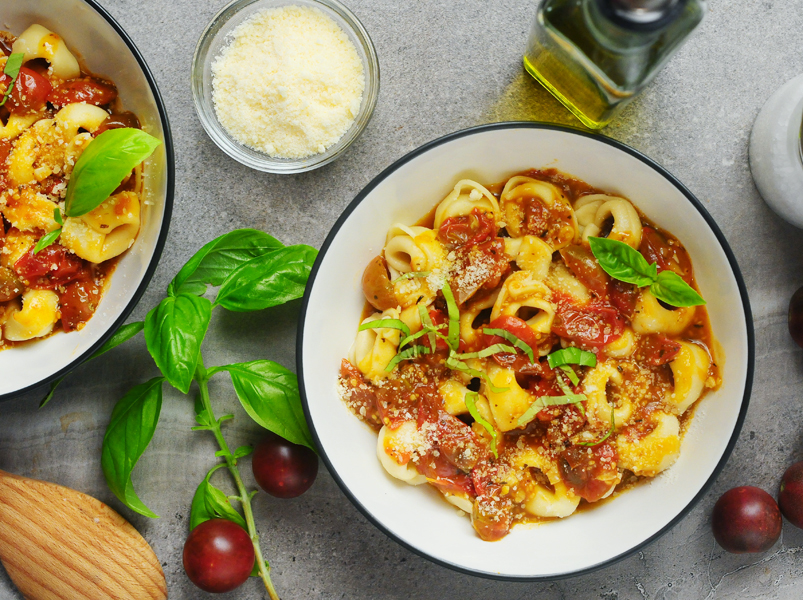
pixel 285 86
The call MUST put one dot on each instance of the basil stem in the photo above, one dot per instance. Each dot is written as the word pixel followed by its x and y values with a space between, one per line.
pixel 202 377
pixel 12 69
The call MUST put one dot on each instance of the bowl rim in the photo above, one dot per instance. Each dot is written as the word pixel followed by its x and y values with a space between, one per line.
pixel 572 131
pixel 168 210
pixel 265 163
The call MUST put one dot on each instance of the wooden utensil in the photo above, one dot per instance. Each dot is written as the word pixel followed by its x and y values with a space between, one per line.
pixel 59 544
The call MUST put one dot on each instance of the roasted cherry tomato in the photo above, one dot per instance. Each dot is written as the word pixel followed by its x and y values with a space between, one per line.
pixel 361 398
pixel 78 302
pixel 118 121
pixel 468 230
pixel 376 285
pixel 656 248
pixel 457 442
pixel 592 325
pixel 656 349
pixel 514 325
pixel 584 265
pixel 623 296
pixel 30 91
pixel 589 470
pixel 438 318
pixel 51 267
pixel 87 89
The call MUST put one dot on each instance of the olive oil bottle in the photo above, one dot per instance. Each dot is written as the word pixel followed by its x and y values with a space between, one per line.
pixel 596 55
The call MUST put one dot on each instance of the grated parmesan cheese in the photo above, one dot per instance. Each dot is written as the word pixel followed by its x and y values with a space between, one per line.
pixel 289 83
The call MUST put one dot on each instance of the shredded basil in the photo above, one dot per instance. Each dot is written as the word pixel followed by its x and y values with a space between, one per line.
pixel 411 275
pixel 12 69
pixel 471 404
pixel 607 435
pixel 454 316
pixel 513 339
pixel 411 352
pixel 570 374
pixel 457 365
pixel 572 356
pixel 386 324
pixel 427 322
pixel 544 401
pixel 486 352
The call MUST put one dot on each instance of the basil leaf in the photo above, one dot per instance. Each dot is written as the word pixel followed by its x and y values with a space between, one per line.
pixel 622 262
pixel 513 339
pixel 269 280
pixel 386 324
pixel 174 332
pixel 427 325
pixel 454 316
pixel 243 451
pixel 128 434
pixel 412 275
pixel 211 503
pixel 486 352
pixel 570 374
pixel 269 394
pixel 456 365
pixel 572 356
pixel 46 240
pixel 125 333
pixel 57 216
pixel 217 259
pixel 103 165
pixel 671 288
pixel 544 401
pixel 471 404
pixel 12 69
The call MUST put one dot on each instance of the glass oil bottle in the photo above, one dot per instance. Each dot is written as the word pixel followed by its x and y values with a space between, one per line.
pixel 597 55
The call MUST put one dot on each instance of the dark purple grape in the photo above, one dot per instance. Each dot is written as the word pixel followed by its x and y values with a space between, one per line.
pixel 746 519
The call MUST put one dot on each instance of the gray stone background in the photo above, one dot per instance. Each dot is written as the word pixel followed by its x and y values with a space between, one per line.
pixel 445 66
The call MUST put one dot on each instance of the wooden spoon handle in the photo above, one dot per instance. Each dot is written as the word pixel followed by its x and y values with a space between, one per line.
pixel 59 544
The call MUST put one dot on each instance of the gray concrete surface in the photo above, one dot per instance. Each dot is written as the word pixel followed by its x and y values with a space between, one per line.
pixel 445 66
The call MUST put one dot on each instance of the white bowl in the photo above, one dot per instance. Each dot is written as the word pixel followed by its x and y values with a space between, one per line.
pixel 105 50
pixel 417 517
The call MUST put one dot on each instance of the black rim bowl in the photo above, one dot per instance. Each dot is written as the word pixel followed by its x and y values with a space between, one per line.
pixel 649 162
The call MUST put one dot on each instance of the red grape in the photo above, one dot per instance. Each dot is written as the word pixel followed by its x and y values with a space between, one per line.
pixel 746 519
pixel 218 556
pixel 283 469
pixel 790 498
pixel 796 317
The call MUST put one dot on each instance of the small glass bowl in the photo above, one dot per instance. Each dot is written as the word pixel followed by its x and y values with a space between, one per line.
pixel 217 35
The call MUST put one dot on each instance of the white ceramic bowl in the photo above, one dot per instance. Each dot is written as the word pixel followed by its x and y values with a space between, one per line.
pixel 416 516
pixel 105 50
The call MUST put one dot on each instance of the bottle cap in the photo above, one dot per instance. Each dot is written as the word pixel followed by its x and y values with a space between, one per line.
pixel 641 15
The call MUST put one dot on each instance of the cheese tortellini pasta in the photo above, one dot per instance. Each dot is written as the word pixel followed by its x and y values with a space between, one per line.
pixel 503 366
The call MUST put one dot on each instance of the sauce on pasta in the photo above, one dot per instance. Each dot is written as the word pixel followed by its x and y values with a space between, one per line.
pixel 53 112
pixel 456 366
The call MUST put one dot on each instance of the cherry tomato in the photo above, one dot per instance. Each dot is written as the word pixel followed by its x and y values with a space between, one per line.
pixel 585 266
pixel 51 267
pixel 457 442
pixel 746 519
pixel 78 303
pixel 796 317
pixel 362 398
pixel 589 470
pixel 468 230
pixel 30 91
pixel 790 497
pixel 283 469
pixel 376 285
pixel 593 325
pixel 656 248
pixel 656 349
pixel 118 121
pixel 218 556
pixel 623 296
pixel 88 90
pixel 514 325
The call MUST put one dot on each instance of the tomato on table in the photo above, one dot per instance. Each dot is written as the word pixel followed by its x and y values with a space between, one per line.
pixel 593 325
pixel 88 90
pixel 30 91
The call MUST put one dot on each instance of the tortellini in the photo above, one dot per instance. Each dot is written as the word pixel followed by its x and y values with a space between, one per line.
pixel 36 317
pixel 105 232
pixel 38 42
pixel 554 219
pixel 596 387
pixel 690 372
pixel 651 317
pixel 508 401
pixel 394 449
pixel 373 349
pixel 542 500
pixel 524 297
pixel 466 196
pixel 531 254
pixel 626 225
pixel 654 452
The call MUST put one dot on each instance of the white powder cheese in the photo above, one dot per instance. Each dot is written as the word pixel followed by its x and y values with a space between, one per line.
pixel 289 83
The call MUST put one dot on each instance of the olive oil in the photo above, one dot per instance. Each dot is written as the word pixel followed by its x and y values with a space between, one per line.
pixel 597 55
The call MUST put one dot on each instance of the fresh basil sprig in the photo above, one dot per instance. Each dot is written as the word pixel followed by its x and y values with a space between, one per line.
pixel 12 69
pixel 103 165
pixel 627 264
pixel 254 271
